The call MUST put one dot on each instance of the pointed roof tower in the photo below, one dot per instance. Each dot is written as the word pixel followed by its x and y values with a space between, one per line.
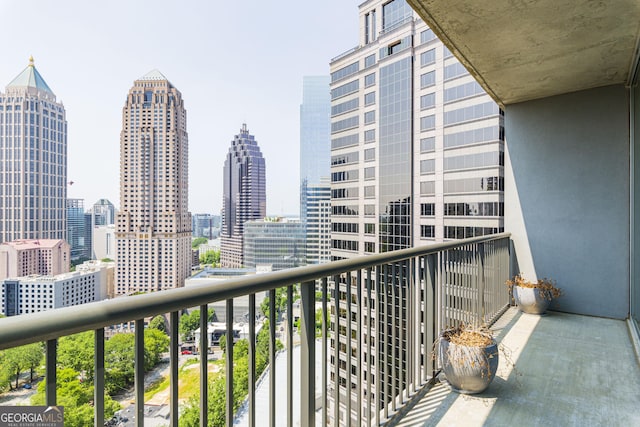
pixel 30 78
pixel 154 75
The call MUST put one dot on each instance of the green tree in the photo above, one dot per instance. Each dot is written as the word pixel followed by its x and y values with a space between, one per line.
pixel 156 342
pixel 281 301
pixel 106 260
pixel 119 367
pixel 210 257
pixel 190 322
pixel 158 323
pixel 76 397
pixel 190 416
pixel 18 359
pixel 76 352
pixel 198 241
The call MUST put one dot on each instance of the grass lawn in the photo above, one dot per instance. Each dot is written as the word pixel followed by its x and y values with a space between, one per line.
pixel 188 380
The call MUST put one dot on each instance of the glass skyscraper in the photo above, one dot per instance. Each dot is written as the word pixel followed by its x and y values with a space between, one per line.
pixel 33 160
pixel 416 157
pixel 77 231
pixel 243 195
pixel 315 192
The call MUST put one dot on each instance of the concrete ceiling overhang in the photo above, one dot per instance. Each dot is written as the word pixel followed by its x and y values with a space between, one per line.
pixel 520 50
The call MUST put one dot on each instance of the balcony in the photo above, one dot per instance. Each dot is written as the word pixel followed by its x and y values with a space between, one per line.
pixel 549 368
pixel 411 293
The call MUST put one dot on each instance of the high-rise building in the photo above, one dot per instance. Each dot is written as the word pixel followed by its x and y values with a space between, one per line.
pixel 315 193
pixel 243 195
pixel 33 160
pixel 275 242
pixel 153 229
pixel 206 225
pixel 104 213
pixel 34 293
pixel 47 257
pixel 416 157
pixel 78 235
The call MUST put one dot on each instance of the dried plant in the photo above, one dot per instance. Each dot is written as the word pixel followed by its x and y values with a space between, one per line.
pixel 547 287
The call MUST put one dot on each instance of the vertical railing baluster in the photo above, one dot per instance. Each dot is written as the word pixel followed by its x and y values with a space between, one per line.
pixel 385 349
pixel 411 327
pixel 395 304
pixel 427 345
pixel 359 348
pixel 369 339
pixel 380 332
pixel 403 338
pixel 204 371
pixel 50 390
pixel 139 371
pixel 432 326
pixel 98 377
pixel 174 339
pixel 272 357
pixel 290 356
pixel 325 339
pixel 229 362
pixel 336 351
pixel 348 388
pixel 252 360
pixel 308 354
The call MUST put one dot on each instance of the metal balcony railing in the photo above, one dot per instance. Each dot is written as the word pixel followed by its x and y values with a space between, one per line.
pixel 385 311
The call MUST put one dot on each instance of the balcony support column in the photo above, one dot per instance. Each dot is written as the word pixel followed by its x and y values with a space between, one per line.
pixel 50 391
pixel 308 354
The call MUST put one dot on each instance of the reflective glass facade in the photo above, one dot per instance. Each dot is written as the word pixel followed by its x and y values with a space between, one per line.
pixel 315 207
pixel 243 195
pixel 395 155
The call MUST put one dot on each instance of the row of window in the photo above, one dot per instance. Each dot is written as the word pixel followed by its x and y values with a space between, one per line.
pixel 473 112
pixel 347 245
pixel 477 160
pixel 344 141
pixel 346 227
pixel 453 232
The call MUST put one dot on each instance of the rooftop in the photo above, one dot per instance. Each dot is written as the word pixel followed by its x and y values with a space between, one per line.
pixel 30 78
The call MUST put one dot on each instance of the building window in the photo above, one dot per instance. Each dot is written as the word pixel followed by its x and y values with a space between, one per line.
pixel 427 209
pixel 427 101
pixel 428 57
pixel 369 117
pixel 428 79
pixel 369 98
pixel 427 123
pixel 427 231
pixel 427 144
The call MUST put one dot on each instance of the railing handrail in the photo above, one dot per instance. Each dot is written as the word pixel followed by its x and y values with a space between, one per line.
pixel 42 326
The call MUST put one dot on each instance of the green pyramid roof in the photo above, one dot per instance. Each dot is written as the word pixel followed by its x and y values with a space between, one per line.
pixel 30 77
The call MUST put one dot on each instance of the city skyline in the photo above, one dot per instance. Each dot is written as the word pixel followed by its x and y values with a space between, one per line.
pixel 93 63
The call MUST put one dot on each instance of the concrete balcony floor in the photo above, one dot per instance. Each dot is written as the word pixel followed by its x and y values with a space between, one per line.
pixel 569 370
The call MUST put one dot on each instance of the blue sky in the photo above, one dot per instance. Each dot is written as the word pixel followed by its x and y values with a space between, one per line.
pixel 234 62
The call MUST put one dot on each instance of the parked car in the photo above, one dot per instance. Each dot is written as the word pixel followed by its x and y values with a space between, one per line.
pixel 187 352
pixel 27 386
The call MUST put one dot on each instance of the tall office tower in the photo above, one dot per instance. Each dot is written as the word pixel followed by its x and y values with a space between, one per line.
pixel 203 225
pixel 33 160
pixel 416 157
pixel 153 226
pixel 104 213
pixel 315 192
pixel 243 195
pixel 76 230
